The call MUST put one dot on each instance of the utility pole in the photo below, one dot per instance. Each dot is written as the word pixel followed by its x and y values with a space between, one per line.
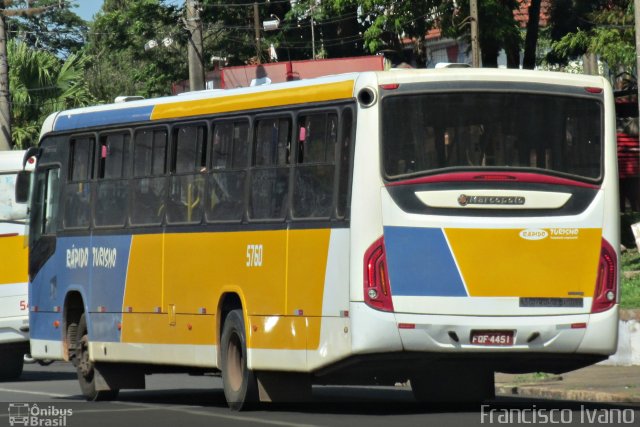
pixel 196 63
pixel 5 94
pixel 256 28
pixel 313 35
pixel 475 43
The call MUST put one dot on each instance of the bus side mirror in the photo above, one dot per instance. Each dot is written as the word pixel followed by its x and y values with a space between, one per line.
pixel 23 183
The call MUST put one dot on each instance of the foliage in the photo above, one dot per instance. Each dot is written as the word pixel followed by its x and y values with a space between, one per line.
pixel 235 19
pixel 120 64
pixel 45 25
pixel 630 292
pixel 630 283
pixel 337 31
pixel 40 85
pixel 498 28
pixel 388 24
pixel 602 27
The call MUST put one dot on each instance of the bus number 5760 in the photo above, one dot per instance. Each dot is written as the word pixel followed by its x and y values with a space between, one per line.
pixel 254 255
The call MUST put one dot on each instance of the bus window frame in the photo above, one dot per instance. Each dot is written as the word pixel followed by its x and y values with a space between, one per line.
pixel 473 87
pixel 171 165
pixel 126 175
pixel 91 174
pixel 165 175
pixel 250 122
pixel 172 155
pixel 252 167
pixel 326 110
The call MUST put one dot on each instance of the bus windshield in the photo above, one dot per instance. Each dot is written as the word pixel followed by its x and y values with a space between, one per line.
pixel 9 209
pixel 424 133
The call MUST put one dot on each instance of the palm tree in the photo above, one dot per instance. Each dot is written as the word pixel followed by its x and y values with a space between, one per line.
pixel 41 84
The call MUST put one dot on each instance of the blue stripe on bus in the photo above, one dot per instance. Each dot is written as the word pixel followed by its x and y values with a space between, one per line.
pixel 106 117
pixel 420 263
pixel 77 262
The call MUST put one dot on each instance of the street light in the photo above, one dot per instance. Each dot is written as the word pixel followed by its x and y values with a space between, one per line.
pixel 272 24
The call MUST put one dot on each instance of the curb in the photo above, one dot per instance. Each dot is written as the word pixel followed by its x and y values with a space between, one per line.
pixel 551 393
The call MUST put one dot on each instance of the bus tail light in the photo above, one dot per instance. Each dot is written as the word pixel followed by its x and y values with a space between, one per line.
pixel 607 283
pixel 377 291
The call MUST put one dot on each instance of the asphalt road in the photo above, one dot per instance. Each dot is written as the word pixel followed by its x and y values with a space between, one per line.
pixel 51 396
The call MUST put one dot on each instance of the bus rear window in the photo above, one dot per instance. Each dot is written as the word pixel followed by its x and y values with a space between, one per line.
pixel 423 133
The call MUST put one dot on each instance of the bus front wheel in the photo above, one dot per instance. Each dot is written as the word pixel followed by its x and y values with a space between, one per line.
pixel 240 386
pixel 86 368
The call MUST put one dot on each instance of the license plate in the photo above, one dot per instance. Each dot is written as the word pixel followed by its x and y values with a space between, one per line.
pixel 492 338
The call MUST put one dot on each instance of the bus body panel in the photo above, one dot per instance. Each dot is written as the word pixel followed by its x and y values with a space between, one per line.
pixel 484 261
pixel 118 281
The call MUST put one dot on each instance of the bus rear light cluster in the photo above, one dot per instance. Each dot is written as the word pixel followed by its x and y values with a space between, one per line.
pixel 607 282
pixel 377 291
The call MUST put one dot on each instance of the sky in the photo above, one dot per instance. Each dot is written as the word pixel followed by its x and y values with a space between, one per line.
pixel 87 8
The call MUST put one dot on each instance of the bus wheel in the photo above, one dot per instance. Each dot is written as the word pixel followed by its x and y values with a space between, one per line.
pixel 86 369
pixel 11 362
pixel 240 387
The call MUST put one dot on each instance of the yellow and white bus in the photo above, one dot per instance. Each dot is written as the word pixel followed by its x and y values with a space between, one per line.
pixel 435 226
pixel 14 314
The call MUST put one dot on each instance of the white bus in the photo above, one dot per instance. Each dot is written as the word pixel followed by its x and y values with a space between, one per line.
pixel 14 312
pixel 436 226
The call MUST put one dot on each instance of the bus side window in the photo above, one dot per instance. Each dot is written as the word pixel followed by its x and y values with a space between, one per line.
pixel 51 201
pixel 77 208
pixel 112 186
pixel 225 197
pixel 149 184
pixel 187 183
pixel 44 218
pixel 315 171
pixel 270 176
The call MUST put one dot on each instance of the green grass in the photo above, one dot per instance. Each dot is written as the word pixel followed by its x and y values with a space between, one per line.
pixel 630 288
pixel 630 292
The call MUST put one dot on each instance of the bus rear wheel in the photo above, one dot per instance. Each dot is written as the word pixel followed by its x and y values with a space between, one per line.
pixel 86 368
pixel 240 386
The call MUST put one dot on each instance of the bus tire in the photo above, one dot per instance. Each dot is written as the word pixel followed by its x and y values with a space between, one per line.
pixel 239 383
pixel 11 364
pixel 86 368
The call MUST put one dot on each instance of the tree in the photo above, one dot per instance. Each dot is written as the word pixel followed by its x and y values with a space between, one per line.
pixel 8 9
pixel 498 29
pixel 55 29
pixel 604 28
pixel 390 24
pixel 121 60
pixel 42 84
pixel 531 39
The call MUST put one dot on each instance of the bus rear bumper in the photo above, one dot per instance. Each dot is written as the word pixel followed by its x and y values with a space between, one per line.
pixel 578 333
pixel 581 333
